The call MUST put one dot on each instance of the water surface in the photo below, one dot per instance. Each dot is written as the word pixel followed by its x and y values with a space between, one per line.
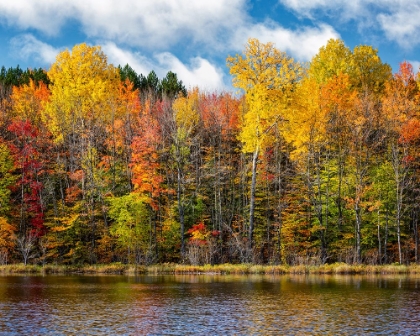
pixel 209 305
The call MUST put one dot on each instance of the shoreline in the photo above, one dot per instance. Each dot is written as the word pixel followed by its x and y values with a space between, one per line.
pixel 222 269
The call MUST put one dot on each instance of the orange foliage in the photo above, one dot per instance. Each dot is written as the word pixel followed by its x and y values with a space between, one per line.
pixel 410 132
pixel 145 165
pixel 337 94
pixel 126 111
pixel 29 100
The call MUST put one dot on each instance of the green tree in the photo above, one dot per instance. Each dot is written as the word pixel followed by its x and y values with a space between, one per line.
pixel 127 72
pixel 7 178
pixel 172 87
pixel 132 226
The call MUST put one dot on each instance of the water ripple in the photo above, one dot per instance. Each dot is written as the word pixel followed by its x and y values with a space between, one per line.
pixel 202 306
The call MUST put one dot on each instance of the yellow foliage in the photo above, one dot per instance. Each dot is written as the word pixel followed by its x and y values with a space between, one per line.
pixel 83 84
pixel 363 66
pixel 332 60
pixel 307 120
pixel 186 111
pixel 268 77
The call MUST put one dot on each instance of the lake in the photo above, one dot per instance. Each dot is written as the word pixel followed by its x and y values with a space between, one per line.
pixel 209 305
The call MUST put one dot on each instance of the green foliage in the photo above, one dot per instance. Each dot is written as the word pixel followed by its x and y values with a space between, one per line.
pixel 7 178
pixel 127 72
pixel 172 87
pixel 17 77
pixel 131 225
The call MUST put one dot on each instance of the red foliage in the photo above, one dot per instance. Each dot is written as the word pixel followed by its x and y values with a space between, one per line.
pixel 25 148
pixel 198 234
pixel 215 233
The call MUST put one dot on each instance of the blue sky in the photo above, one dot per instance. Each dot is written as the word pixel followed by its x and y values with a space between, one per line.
pixel 193 37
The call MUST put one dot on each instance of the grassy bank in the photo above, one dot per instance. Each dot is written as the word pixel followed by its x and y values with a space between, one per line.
pixel 117 268
pixel 337 268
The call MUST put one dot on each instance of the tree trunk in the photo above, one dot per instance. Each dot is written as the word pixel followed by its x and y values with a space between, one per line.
pixel 358 256
pixel 379 240
pixel 181 213
pixel 252 199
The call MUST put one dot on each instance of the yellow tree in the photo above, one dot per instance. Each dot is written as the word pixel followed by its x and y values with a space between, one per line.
pixel 267 76
pixel 368 73
pixel 83 93
pixel 307 132
pixel 332 60
pixel 363 66
pixel 82 83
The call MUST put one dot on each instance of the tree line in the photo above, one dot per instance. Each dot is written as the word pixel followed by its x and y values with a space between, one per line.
pixel 307 164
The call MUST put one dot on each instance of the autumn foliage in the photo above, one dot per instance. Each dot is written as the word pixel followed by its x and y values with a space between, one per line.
pixel 311 164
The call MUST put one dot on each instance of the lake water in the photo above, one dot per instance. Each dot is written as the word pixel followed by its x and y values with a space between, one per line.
pixel 209 305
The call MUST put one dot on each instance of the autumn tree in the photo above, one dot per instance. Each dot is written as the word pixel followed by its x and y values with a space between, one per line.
pixel 307 132
pixel 83 88
pixel 400 112
pixel 267 77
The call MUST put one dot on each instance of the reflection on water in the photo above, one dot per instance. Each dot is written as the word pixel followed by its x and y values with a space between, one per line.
pixel 209 305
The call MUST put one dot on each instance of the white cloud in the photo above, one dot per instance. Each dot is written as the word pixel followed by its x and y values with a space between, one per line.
pixel 118 56
pixel 402 25
pixel 302 44
pixel 146 23
pixel 26 46
pixel 197 72
pixel 47 16
pixel 398 20
pixel 160 23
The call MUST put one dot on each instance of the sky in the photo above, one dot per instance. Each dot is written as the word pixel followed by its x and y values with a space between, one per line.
pixel 193 37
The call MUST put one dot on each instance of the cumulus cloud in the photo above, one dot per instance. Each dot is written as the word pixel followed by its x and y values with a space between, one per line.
pixel 196 71
pixel 398 20
pixel 302 44
pixel 119 56
pixel 199 72
pixel 47 16
pixel 27 46
pixel 146 23
pixel 402 25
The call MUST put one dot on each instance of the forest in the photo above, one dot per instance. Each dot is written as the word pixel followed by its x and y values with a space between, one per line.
pixel 306 163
